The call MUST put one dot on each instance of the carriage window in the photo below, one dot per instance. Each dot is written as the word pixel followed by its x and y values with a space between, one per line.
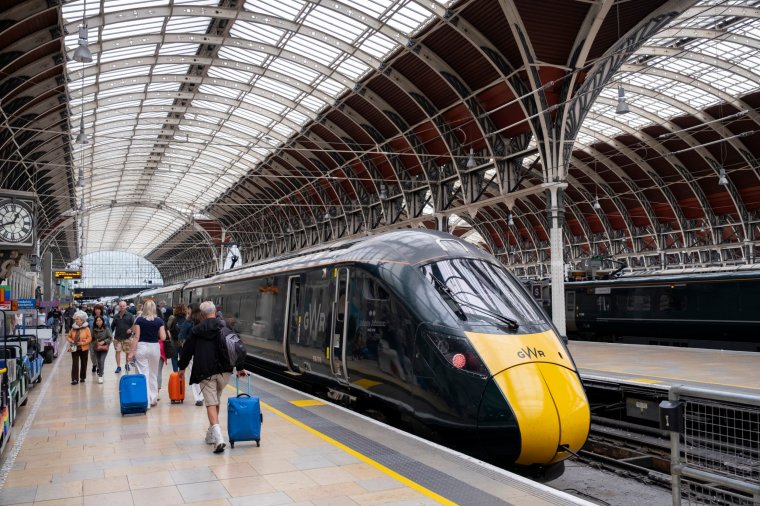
pixel 638 303
pixel 603 303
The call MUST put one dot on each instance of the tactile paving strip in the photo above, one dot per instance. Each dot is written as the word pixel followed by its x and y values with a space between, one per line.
pixel 441 483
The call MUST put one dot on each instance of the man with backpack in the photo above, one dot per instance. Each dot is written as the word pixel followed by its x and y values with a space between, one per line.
pixel 211 368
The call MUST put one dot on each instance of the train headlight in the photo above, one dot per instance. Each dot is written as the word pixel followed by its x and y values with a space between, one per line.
pixel 457 352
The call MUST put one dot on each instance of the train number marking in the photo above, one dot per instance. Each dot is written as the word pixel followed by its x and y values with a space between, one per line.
pixel 530 353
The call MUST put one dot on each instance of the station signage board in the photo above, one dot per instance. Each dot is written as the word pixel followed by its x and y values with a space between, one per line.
pixel 67 274
pixel 78 295
pixel 26 303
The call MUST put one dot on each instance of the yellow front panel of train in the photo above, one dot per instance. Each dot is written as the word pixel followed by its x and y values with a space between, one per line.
pixel 502 351
pixel 538 380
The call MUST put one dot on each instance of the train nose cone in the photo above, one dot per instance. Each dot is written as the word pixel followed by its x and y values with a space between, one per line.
pixel 551 410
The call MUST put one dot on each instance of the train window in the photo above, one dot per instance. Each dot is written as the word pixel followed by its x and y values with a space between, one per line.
pixel 482 292
pixel 372 290
pixel 638 303
pixel 603 303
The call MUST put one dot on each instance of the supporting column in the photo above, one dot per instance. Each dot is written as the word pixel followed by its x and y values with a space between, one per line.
pixel 555 192
pixel 50 290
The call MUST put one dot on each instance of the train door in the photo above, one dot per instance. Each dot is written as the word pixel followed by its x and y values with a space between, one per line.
pixel 570 311
pixel 292 333
pixel 339 328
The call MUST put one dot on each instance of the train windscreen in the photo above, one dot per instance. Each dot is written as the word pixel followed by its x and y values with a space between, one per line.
pixel 480 292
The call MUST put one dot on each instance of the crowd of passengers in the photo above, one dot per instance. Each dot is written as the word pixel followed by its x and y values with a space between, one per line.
pixel 150 336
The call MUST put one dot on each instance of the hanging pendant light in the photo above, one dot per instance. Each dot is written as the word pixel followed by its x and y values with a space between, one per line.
pixel 597 205
pixel 510 220
pixel 622 106
pixel 82 53
pixel 722 179
pixel 81 136
pixel 80 178
pixel 471 163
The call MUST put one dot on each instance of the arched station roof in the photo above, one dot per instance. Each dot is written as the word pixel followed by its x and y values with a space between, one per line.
pixel 276 125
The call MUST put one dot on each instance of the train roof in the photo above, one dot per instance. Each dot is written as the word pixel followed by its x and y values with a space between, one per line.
pixel 162 289
pixel 408 246
pixel 665 277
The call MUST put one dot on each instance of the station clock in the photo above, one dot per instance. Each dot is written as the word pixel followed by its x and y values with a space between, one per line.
pixel 16 222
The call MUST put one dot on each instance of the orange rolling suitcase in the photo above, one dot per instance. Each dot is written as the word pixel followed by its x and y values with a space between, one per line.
pixel 176 387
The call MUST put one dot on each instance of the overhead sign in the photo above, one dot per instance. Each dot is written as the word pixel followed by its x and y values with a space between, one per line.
pixel 78 295
pixel 26 303
pixel 67 274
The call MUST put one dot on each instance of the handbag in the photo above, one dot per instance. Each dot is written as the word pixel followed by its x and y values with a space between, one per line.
pixel 101 346
pixel 170 350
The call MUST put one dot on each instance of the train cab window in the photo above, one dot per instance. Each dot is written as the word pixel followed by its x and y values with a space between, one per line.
pixel 480 292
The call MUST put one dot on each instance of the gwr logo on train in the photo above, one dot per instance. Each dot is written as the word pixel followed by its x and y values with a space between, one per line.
pixel 530 353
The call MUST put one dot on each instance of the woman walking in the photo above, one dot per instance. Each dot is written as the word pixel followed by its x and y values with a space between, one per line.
pixel 79 339
pixel 97 311
pixel 149 330
pixel 101 341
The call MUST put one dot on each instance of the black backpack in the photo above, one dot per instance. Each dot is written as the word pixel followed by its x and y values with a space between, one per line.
pixel 232 350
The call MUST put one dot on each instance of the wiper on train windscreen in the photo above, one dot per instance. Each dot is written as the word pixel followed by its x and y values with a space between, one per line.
pixel 509 322
pixel 449 297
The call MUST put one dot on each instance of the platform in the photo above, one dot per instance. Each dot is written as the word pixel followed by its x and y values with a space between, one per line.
pixel 72 447
pixel 658 367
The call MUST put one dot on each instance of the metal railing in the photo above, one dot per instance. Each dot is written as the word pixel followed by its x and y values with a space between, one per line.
pixel 715 446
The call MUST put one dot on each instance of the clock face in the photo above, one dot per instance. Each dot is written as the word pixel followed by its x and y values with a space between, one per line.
pixel 15 222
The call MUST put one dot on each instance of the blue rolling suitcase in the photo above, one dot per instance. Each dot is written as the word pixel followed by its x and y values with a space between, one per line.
pixel 244 417
pixel 133 394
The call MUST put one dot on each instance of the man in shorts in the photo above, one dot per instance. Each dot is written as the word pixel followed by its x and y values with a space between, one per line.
pixel 121 326
pixel 209 369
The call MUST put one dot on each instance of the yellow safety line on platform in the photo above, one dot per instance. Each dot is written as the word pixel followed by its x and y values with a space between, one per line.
pixel 646 380
pixel 581 369
pixel 305 403
pixel 393 474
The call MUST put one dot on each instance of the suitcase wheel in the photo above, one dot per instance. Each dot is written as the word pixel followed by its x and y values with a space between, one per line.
pixel 232 443
pixel 258 443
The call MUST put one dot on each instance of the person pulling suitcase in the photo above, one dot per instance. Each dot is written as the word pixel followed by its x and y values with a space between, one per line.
pixel 211 369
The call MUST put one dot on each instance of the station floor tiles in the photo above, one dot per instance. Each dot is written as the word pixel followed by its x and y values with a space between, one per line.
pixel 78 450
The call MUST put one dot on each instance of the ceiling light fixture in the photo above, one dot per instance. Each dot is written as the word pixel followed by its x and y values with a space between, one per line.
pixel 510 220
pixel 622 106
pixel 82 53
pixel 471 163
pixel 722 179
pixel 597 205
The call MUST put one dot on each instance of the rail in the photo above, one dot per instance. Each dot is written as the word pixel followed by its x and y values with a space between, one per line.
pixel 715 445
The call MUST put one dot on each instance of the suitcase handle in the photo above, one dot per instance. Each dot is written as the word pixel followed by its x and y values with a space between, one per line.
pixel 237 386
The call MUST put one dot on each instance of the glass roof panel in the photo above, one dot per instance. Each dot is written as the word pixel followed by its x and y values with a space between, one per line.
pixel 170 49
pixel 131 27
pixel 313 49
pixel 242 55
pixel 187 24
pixel 334 23
pixel 127 52
pixel 277 87
pixel 287 9
pixel 256 32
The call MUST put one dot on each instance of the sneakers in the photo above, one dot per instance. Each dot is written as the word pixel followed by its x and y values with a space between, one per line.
pixel 210 435
pixel 218 443
pixel 100 379
pixel 74 382
pixel 82 380
pixel 94 368
pixel 118 370
pixel 199 403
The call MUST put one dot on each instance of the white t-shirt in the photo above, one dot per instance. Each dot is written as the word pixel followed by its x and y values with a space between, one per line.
pixel 19 319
